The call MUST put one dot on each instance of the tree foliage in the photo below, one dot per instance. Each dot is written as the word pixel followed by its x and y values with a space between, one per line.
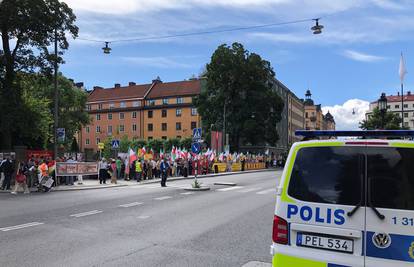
pixel 392 121
pixel 28 28
pixel 242 82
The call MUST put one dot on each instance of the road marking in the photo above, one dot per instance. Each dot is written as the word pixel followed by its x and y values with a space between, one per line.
pixel 133 204
pixel 266 191
pixel 187 193
pixel 250 190
pixel 21 226
pixel 257 264
pixel 92 212
pixel 229 188
pixel 143 217
pixel 163 198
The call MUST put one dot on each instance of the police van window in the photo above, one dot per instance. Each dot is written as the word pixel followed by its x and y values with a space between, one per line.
pixel 391 177
pixel 327 175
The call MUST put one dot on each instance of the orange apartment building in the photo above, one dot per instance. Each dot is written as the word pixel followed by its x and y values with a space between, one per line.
pixel 148 111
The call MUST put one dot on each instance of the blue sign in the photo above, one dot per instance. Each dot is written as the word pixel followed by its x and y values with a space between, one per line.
pixel 115 144
pixel 197 133
pixel 196 148
pixel 60 132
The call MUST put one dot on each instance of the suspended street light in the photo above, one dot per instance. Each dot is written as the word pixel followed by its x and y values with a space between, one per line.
pixel 353 111
pixel 106 49
pixel 317 29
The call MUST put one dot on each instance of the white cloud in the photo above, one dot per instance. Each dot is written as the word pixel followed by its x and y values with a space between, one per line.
pixel 358 56
pixel 343 116
pixel 158 62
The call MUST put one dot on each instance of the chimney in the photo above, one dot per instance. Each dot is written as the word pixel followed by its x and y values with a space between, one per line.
pixel 409 93
pixel 79 85
pixel 132 84
pixel 398 93
pixel 117 85
pixel 97 87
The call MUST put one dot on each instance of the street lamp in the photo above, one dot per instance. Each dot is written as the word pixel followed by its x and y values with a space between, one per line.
pixel 106 49
pixel 317 29
pixel 382 106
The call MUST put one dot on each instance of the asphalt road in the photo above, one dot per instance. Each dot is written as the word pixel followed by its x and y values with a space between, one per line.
pixel 142 225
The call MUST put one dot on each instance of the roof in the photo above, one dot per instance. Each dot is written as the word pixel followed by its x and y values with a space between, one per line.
pixel 397 98
pixel 158 90
pixel 182 88
pixel 135 91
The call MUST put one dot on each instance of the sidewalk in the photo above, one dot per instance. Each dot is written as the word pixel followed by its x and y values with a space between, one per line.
pixel 94 184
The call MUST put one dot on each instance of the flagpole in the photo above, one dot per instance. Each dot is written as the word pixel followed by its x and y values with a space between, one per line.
pixel 402 103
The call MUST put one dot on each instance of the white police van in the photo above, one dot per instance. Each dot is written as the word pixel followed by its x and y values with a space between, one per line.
pixel 343 203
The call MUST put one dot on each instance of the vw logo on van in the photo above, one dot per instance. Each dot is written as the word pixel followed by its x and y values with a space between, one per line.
pixel 381 240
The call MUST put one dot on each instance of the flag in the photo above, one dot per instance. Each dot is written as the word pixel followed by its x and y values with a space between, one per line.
pixel 132 156
pixel 161 153
pixel 402 71
pixel 144 151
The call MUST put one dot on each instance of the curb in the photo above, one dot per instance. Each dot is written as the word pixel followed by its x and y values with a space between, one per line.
pixel 197 189
pixel 155 181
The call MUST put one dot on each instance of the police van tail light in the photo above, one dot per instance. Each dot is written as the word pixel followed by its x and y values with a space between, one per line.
pixel 280 230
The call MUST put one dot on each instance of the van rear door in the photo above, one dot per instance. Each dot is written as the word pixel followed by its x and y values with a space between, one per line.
pixel 390 206
pixel 327 215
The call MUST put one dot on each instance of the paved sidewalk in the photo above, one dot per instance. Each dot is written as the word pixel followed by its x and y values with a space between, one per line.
pixel 94 184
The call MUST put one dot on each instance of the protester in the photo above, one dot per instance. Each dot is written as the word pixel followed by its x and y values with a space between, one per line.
pixel 21 181
pixel 118 163
pixel 69 180
pixel 138 170
pixel 113 172
pixel 164 172
pixel 7 168
pixel 103 171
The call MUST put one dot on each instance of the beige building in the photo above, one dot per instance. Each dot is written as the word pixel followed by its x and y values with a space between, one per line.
pixel 150 111
pixel 314 117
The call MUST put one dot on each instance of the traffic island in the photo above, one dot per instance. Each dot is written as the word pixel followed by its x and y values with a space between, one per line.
pixel 203 188
pixel 226 184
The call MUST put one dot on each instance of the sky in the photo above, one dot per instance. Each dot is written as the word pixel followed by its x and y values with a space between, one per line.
pixel 350 64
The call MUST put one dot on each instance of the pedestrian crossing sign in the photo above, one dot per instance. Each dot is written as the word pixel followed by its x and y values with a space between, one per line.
pixel 115 144
pixel 197 133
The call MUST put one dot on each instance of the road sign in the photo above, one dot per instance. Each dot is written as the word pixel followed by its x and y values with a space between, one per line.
pixel 196 133
pixel 101 146
pixel 115 144
pixel 196 148
pixel 60 132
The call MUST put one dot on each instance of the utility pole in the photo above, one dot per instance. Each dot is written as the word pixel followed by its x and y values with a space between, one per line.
pixel 56 99
pixel 224 126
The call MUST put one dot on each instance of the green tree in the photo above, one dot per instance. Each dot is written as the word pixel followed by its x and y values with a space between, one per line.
pixel 391 121
pixel 72 113
pixel 239 85
pixel 27 29
pixel 156 145
pixel 74 147
pixel 186 143
pixel 124 144
pixel 139 143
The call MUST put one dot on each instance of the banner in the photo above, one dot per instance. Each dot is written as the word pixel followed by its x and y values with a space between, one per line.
pixel 76 168
pixel 37 154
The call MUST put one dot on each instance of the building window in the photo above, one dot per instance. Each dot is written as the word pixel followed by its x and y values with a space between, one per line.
pixel 164 138
pixel 87 141
pixel 109 116
pixel 134 127
pixel 110 129
pixel 194 112
pixel 134 115
pixel 150 114
pixel 87 129
pixel 150 138
pixel 163 126
pixel 405 115
pixel 397 106
pixel 88 107
pixel 121 116
pixel 135 104
pixel 388 107
pixel 151 102
pixel 122 105
pixel 98 140
pixel 150 127
pixel 178 126
pixel 179 100
pixel 178 112
pixel 405 105
pixel 193 125
pixel 98 117
pixel 98 129
pixel 164 113
pixel 406 124
pixel 121 128
pixel 179 136
pixel 100 106
pixel 306 115
pixel 111 105
pixel 165 101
